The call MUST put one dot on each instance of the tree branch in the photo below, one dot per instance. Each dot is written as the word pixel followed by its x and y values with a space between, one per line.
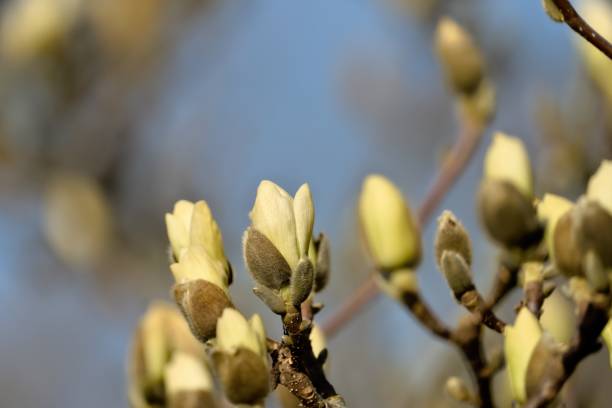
pixel 577 23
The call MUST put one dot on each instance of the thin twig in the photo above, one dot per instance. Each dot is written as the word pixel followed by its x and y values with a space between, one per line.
pixel 461 154
pixel 577 23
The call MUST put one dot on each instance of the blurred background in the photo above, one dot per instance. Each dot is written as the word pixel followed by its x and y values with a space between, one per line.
pixel 112 110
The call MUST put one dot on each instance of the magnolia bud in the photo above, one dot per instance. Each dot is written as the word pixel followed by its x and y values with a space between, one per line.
pixel 457 273
pixel 457 389
pixel 392 235
pixel 461 60
pixel 550 209
pixel 266 263
pixel 301 282
pixel 558 317
pixel 600 185
pixel 508 215
pixel 241 358
pixel 552 10
pixel 595 273
pixel 452 236
pixel 567 250
pixel 545 364
pixel 480 105
pixel 201 303
pixel 520 341
pixel 188 383
pixel 594 229
pixel 322 262
pixel 506 159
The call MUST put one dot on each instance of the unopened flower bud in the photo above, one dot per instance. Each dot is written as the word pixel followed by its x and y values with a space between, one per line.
pixel 552 10
pixel 452 236
pixel 264 261
pixel 506 159
pixel 241 358
pixel 594 229
pixel 545 364
pixel 390 231
pixel 550 209
pixel 520 341
pixel 457 389
pixel 508 215
pixel 271 298
pixel 457 273
pixel 188 383
pixel 480 105
pixel 567 252
pixel 201 302
pixel 461 60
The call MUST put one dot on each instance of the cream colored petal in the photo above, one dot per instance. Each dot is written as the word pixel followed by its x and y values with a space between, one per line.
pixel 507 160
pixel 273 216
pixel 390 231
pixel 154 342
pixel 233 331
pixel 185 372
pixel 178 225
pixel 600 184
pixel 304 217
pixel 558 317
pixel 260 331
pixel 205 232
pixel 519 342
pixel 550 209
pixel 195 263
pixel 317 340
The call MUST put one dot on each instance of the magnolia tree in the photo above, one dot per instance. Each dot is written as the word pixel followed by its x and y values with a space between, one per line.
pixel 546 245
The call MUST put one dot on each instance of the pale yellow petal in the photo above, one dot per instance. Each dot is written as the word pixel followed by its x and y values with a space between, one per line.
pixel 304 217
pixel 178 225
pixel 600 184
pixel 205 232
pixel 507 160
pixel 185 372
pixel 195 263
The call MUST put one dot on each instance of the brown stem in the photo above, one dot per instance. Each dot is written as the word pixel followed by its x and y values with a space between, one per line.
pixel 460 156
pixel 423 313
pixel 534 297
pixel 297 368
pixel 474 303
pixel 577 23
pixel 592 318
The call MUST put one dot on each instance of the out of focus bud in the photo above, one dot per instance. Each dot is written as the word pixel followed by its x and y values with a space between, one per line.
pixel 520 341
pixel 241 358
pixel 78 219
pixel 600 185
pixel 461 60
pixel 545 364
pixel 595 273
pixel 391 233
pixel 161 333
pixel 321 254
pixel 278 246
pixel 552 10
pixel 452 236
pixel 457 273
pixel 33 27
pixel 558 317
pixel 505 194
pixel 201 290
pixel 458 390
pixel 480 105
pixel 599 15
pixel 550 209
pixel 606 334
pixel 507 160
pixel 188 383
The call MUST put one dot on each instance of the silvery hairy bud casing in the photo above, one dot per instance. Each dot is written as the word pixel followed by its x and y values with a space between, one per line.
pixel 161 333
pixel 452 236
pixel 277 245
pixel 241 358
pixel 202 272
pixel 506 194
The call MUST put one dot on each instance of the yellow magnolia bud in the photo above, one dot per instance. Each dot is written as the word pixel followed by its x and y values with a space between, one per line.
pixel 600 184
pixel 461 59
pixel 391 233
pixel 195 263
pixel 520 341
pixel 193 225
pixel 606 334
pixel 550 209
pixel 234 332
pixel 599 15
pixel 287 222
pixel 552 10
pixel 558 317
pixel 317 340
pixel 187 373
pixel 506 160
